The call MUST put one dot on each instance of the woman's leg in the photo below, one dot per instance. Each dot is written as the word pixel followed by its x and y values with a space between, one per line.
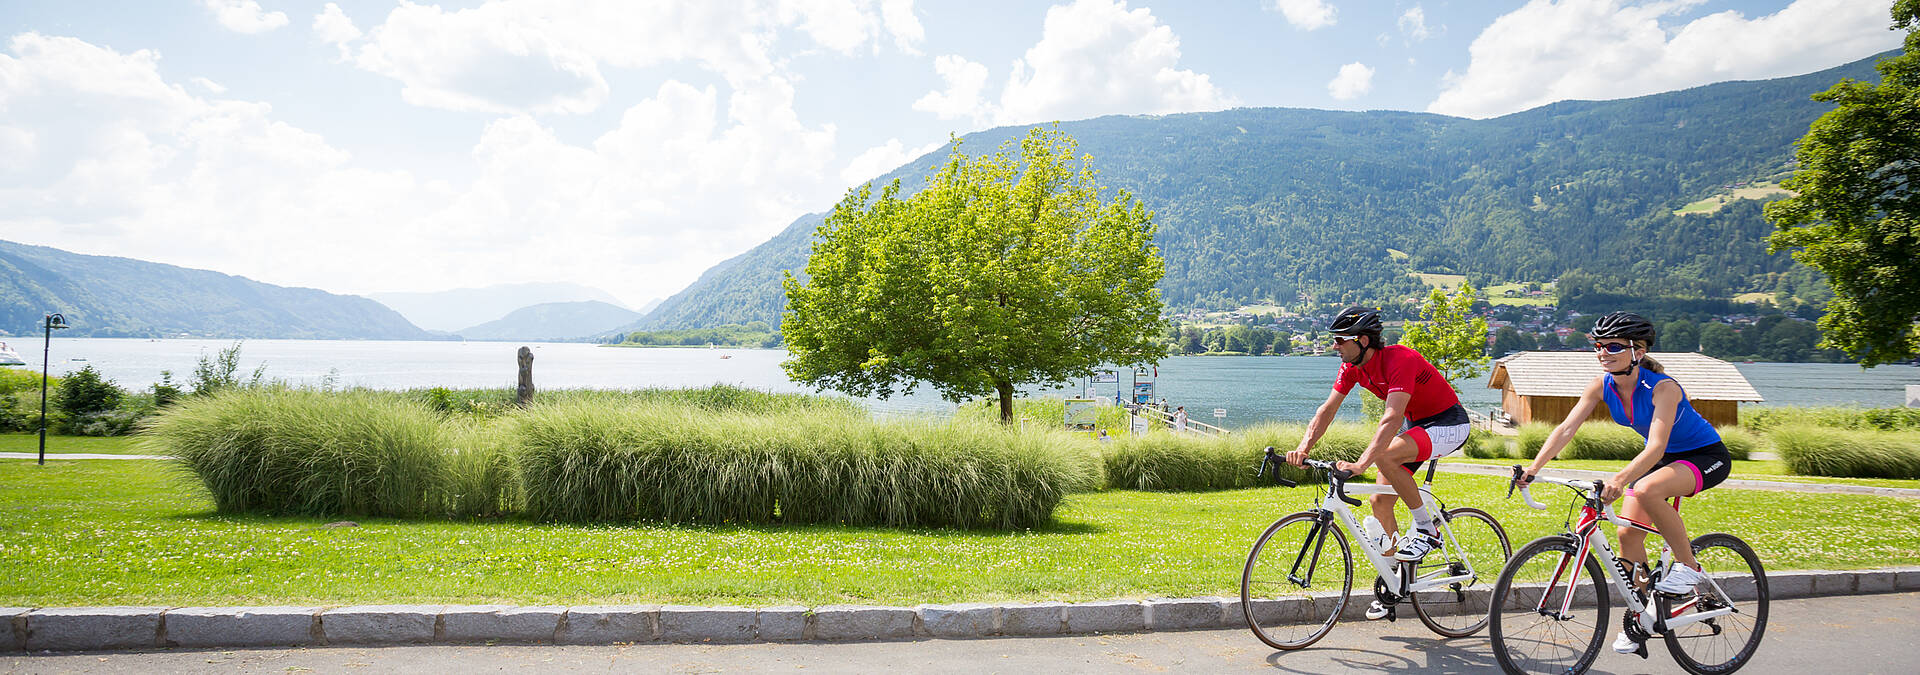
pixel 1650 497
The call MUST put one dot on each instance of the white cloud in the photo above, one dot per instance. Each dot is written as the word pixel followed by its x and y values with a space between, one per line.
pixel 496 58
pixel 1307 14
pixel 1602 49
pixel 1413 24
pixel 882 158
pixel 1353 81
pixel 210 86
pixel 332 26
pixel 897 16
pixel 965 81
pixel 244 16
pixel 1094 57
pixel 102 155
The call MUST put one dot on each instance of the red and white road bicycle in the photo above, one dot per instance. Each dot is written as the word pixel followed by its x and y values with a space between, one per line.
pixel 1550 611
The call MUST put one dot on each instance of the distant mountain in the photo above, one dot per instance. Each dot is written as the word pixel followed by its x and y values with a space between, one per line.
pixel 464 307
pixel 1258 204
pixel 553 321
pixel 121 297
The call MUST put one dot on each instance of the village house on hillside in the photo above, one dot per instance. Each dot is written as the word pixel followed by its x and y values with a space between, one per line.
pixel 1544 386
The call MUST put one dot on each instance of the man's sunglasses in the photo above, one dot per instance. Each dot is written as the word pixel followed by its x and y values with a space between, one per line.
pixel 1611 347
pixel 1341 339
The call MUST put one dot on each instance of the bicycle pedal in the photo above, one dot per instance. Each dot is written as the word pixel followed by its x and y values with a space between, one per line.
pixel 1641 649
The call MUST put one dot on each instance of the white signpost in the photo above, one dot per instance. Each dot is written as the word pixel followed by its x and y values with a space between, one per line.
pixel 1913 395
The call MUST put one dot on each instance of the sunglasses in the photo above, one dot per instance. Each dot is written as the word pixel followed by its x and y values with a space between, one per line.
pixel 1611 347
pixel 1341 340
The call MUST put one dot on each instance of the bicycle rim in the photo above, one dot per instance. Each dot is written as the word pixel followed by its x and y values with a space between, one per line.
pixel 1290 596
pixel 1722 644
pixel 1528 637
pixel 1475 545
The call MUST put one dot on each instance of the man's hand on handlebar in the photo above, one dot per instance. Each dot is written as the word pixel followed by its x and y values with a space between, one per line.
pixel 1297 456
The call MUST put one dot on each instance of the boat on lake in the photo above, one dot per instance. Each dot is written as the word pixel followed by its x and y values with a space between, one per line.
pixel 8 357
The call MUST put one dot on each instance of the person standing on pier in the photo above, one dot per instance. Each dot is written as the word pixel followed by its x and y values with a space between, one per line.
pixel 1423 421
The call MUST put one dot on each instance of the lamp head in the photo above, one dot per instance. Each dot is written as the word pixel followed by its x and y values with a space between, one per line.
pixel 56 321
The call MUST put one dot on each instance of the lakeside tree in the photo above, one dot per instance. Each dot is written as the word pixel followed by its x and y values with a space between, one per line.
pixel 1005 270
pixel 1856 216
pixel 1449 335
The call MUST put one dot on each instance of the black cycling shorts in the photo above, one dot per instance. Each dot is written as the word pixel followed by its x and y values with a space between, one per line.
pixel 1709 465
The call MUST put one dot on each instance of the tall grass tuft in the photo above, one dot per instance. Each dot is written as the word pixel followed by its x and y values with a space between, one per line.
pixel 1741 443
pixel 1606 440
pixel 1189 463
pixel 282 451
pixel 1822 451
pixel 656 460
pixel 1764 419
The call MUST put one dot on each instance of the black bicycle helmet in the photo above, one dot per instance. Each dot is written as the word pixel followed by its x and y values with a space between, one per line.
pixel 1355 321
pixel 1623 326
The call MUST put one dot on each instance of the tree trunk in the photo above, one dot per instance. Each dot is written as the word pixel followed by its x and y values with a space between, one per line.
pixel 524 395
pixel 1006 400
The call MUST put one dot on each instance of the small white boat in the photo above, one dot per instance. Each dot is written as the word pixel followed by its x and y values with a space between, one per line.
pixel 8 357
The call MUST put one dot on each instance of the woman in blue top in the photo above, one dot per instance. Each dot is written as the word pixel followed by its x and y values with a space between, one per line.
pixel 1683 455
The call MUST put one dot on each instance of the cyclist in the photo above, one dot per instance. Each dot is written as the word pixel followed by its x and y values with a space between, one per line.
pixel 1423 421
pixel 1683 456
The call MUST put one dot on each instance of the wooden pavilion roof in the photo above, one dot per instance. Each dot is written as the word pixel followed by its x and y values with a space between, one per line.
pixel 1567 373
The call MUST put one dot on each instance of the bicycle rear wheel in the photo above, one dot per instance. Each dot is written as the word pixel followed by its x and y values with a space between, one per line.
pixel 1531 631
pixel 1475 545
pixel 1721 644
pixel 1296 581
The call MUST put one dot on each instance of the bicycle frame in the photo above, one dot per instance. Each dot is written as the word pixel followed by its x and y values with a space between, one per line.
pixel 1592 541
pixel 1389 569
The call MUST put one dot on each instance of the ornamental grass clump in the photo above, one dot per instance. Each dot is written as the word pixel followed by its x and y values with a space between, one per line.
pixel 1604 440
pixel 1170 462
pixel 670 462
pixel 1825 451
pixel 293 452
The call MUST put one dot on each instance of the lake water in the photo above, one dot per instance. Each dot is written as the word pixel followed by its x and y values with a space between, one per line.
pixel 1251 389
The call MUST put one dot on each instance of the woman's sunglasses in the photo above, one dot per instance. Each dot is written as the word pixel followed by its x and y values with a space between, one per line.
pixel 1611 347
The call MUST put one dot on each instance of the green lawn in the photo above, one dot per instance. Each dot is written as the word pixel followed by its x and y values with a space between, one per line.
pixel 1772 469
pixel 115 445
pixel 138 532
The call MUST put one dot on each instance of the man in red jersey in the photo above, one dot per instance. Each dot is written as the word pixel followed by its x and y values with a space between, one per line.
pixel 1423 421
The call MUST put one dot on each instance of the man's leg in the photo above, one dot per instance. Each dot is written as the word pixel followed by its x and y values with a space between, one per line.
pixel 1402 450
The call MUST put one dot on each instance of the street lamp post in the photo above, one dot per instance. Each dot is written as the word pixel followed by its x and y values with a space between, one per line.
pixel 53 321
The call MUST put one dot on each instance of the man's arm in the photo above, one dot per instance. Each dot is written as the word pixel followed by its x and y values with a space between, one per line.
pixel 1322 418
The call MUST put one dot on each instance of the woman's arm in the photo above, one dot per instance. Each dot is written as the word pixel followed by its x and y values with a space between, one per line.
pixel 1563 434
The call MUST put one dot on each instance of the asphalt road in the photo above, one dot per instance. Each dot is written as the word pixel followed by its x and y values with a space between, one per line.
pixel 1847 634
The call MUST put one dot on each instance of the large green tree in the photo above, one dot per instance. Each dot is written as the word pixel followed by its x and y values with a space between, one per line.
pixel 1007 269
pixel 1856 216
pixel 1450 336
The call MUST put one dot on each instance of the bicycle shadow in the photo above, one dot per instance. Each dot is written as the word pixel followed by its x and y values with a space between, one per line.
pixel 1471 655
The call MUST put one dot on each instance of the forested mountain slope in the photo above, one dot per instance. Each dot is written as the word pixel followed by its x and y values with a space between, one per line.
pixel 1257 204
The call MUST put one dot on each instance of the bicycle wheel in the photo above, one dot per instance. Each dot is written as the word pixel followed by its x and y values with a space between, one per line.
pixel 1296 581
pixel 1530 633
pixel 1721 644
pixel 1474 544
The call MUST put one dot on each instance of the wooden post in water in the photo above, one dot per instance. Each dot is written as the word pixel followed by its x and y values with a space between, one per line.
pixel 524 395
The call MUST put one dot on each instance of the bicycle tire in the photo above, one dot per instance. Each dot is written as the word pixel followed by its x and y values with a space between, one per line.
pixel 1518 628
pixel 1462 610
pixel 1737 571
pixel 1281 612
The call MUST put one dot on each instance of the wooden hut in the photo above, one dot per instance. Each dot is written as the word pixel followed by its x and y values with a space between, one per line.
pixel 1544 386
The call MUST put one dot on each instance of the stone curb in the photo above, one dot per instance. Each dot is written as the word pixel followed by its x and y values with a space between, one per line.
pixel 116 628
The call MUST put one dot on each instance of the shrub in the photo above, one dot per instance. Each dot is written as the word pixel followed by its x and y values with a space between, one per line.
pixel 1604 440
pixel 1530 437
pixel 281 451
pixel 1763 420
pixel 584 461
pixel 1816 451
pixel 1741 444
pixel 85 392
pixel 1484 445
pixel 1178 463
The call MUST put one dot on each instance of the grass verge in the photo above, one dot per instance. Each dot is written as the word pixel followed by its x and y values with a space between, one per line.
pixel 134 533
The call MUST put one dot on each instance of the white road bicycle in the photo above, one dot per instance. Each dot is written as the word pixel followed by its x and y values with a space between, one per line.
pixel 1300 571
pixel 1548 618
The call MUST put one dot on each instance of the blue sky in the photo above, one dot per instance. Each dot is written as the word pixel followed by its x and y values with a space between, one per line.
pixel 366 146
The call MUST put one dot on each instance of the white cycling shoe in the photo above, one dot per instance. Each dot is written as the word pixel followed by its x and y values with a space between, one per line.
pixel 1376 611
pixel 1624 644
pixel 1416 545
pixel 1679 579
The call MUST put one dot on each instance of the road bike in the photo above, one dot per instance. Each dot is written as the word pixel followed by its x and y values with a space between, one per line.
pixel 1300 571
pixel 1549 619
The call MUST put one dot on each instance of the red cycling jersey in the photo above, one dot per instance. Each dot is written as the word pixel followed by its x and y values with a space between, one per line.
pixel 1400 368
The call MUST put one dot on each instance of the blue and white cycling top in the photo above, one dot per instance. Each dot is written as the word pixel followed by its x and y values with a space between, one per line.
pixel 1690 430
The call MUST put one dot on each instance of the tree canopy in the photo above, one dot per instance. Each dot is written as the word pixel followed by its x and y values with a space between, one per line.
pixel 1450 336
pixel 1005 270
pixel 1857 214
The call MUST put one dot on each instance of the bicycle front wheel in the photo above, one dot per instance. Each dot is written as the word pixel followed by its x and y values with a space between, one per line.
pixel 1725 643
pixel 1296 581
pixel 1476 548
pixel 1534 625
